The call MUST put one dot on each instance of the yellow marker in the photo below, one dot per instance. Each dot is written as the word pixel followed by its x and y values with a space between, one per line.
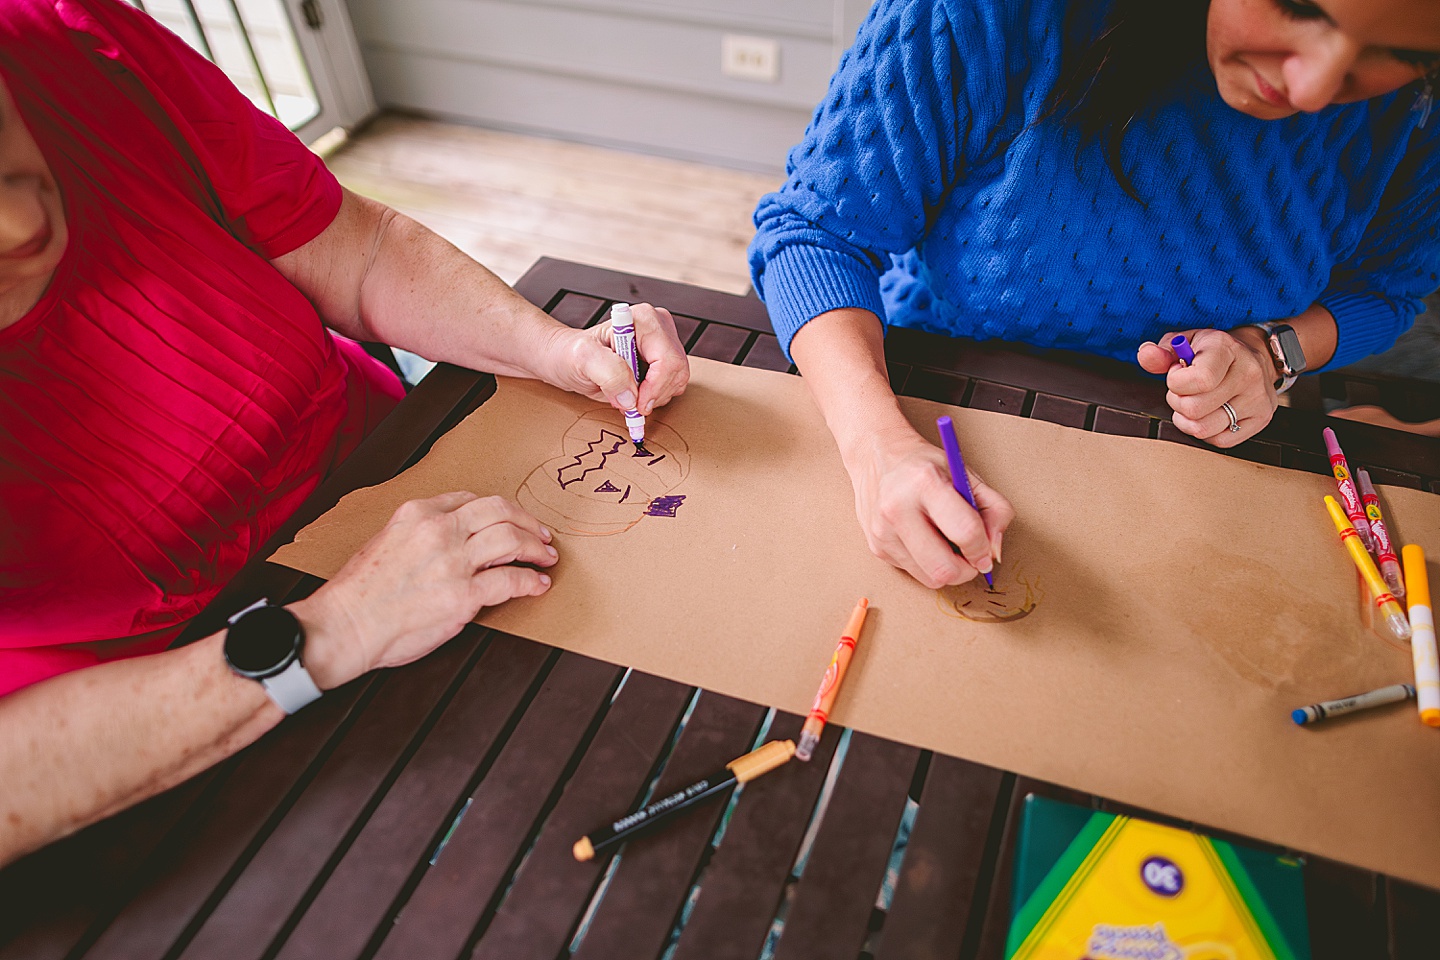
pixel 1390 608
pixel 1422 646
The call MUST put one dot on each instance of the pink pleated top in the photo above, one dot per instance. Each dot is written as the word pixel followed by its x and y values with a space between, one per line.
pixel 172 398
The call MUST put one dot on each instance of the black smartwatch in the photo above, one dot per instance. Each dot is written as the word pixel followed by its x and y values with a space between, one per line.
pixel 264 643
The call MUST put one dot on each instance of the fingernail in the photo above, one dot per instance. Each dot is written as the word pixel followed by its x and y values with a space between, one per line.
pixel 551 551
pixel 545 532
pixel 544 580
pixel 627 400
pixel 649 408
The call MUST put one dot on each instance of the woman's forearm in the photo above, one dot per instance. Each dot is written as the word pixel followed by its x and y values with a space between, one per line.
pixel 375 274
pixel 841 355
pixel 87 744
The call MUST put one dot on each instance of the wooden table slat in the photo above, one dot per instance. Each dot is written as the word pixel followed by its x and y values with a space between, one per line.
pixel 549 275
pixel 648 888
pixel 744 882
pixel 944 862
pixel 264 781
pixel 998 397
pixel 830 915
pixel 577 310
pixel 1345 910
pixel 1414 920
pixel 371 874
pixel 1121 422
pixel 275 882
pixel 543 907
pixel 60 891
pixel 765 353
pixel 688 328
pixel 719 341
pixel 933 385
pixel 987 942
pixel 1061 410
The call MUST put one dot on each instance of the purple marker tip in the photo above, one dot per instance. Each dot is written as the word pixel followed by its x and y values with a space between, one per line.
pixel 958 478
pixel 1183 351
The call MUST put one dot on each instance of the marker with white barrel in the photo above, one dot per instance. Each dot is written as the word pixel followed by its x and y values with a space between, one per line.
pixel 622 337
pixel 1422 639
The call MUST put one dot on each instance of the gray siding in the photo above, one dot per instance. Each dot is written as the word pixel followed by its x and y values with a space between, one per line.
pixel 640 74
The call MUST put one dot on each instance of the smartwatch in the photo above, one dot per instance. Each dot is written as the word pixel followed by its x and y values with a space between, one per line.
pixel 264 643
pixel 1285 353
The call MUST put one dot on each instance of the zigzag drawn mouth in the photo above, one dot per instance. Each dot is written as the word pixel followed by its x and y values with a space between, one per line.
pixel 620 442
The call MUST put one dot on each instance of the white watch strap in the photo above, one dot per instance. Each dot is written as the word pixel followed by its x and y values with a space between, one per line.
pixel 291 688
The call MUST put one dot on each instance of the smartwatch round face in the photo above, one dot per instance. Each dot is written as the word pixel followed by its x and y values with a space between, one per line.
pixel 262 642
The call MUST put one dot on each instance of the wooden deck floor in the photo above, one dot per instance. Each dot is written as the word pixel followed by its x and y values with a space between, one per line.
pixel 508 199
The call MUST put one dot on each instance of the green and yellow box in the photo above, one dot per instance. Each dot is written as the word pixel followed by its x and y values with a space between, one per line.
pixel 1099 886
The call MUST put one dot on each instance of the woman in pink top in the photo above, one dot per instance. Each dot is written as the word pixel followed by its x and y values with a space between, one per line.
pixel 178 279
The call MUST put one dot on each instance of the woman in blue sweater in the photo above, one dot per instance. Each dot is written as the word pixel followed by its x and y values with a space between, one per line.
pixel 1096 175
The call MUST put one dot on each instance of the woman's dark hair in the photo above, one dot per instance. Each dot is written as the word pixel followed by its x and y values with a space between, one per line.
pixel 1142 50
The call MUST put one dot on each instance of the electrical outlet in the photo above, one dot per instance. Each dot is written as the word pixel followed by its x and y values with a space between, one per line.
pixel 750 58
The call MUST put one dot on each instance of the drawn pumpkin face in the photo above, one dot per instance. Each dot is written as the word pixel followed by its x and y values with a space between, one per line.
pixel 600 484
pixel 1016 594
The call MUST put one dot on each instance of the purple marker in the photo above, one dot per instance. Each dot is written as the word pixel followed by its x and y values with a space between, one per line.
pixel 1183 351
pixel 958 477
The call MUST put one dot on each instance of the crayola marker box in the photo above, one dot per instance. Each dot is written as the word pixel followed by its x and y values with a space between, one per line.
pixel 1099 886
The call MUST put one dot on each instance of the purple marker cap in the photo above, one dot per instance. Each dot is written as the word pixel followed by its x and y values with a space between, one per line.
pixel 958 477
pixel 1182 348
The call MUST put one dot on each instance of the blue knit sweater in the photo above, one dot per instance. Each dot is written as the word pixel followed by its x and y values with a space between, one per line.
pixel 1244 219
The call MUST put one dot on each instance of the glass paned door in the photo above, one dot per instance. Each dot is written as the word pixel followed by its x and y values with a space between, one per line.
pixel 295 59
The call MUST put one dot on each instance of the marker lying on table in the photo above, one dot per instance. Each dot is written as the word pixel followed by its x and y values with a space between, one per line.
pixel 742 770
pixel 1422 645
pixel 1338 708
pixel 622 338
pixel 1389 607
pixel 830 683
pixel 1183 351
pixel 1353 507
pixel 958 477
pixel 1384 552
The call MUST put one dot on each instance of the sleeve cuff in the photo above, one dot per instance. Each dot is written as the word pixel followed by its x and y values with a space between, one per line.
pixel 1365 324
pixel 801 282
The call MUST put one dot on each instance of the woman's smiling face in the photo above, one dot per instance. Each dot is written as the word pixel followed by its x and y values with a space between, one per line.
pixel 32 216
pixel 1275 58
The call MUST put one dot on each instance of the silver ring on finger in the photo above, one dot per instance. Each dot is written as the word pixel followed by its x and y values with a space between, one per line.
pixel 1234 420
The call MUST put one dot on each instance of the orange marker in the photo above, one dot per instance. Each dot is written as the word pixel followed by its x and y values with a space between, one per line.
pixel 1390 608
pixel 830 683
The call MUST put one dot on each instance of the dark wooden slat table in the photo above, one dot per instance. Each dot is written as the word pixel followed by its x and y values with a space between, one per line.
pixel 429 811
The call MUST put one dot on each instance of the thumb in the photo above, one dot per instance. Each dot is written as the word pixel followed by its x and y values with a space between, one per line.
pixel 1154 358
pixel 613 377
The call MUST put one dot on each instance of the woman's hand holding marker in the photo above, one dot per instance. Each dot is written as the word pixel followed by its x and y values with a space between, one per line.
pixel 589 366
pixel 911 513
pixel 1227 393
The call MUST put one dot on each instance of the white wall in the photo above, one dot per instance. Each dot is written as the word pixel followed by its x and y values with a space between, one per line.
pixel 639 74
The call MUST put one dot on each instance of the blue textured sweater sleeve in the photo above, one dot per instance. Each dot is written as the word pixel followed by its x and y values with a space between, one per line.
pixel 1376 294
pixel 876 160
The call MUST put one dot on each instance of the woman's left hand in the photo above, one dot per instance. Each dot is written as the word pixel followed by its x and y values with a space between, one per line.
pixel 1230 367
pixel 587 364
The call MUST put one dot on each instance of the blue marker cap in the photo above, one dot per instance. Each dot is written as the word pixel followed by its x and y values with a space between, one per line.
pixel 1299 716
pixel 1182 349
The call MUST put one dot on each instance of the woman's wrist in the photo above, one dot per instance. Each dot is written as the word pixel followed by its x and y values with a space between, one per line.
pixel 334 651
